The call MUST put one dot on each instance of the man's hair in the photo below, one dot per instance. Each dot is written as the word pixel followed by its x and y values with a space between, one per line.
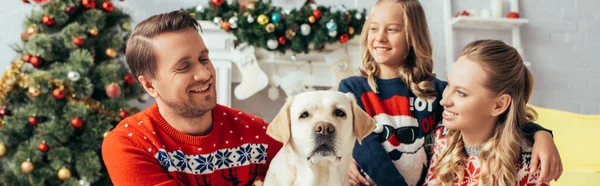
pixel 139 53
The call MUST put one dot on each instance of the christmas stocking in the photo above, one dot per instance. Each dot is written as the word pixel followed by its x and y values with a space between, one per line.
pixel 254 79
pixel 339 65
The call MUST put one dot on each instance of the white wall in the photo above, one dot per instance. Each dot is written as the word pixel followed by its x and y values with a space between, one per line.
pixel 562 41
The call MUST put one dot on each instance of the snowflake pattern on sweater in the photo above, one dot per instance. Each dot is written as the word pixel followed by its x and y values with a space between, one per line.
pixel 473 167
pixel 208 163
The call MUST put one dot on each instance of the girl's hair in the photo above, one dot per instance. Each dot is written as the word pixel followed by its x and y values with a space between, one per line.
pixel 418 70
pixel 505 74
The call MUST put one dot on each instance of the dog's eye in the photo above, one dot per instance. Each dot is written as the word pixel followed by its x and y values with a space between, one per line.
pixel 339 113
pixel 304 114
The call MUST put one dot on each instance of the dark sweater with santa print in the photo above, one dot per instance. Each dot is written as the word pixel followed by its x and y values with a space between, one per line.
pixel 397 151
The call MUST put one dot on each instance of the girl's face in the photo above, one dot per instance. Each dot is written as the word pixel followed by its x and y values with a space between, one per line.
pixel 386 39
pixel 468 104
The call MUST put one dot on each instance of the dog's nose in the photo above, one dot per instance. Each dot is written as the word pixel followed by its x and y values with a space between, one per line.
pixel 324 128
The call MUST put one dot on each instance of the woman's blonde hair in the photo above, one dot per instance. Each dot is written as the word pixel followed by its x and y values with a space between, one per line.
pixel 418 70
pixel 505 74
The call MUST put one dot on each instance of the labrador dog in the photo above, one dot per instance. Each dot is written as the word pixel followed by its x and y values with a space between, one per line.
pixel 318 130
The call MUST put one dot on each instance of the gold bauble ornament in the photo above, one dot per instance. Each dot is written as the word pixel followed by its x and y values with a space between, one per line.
pixel 27 167
pixel 126 26
pixel 262 19
pixel 290 34
pixel 64 174
pixel 270 28
pixel 3 149
pixel 312 19
pixel 111 52
pixel 350 30
pixel 32 30
pixel 93 31
pixel 34 92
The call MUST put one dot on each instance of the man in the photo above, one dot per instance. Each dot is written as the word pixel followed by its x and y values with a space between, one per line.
pixel 185 138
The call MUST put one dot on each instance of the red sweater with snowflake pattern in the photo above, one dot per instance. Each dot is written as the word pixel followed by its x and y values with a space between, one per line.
pixel 145 150
pixel 473 167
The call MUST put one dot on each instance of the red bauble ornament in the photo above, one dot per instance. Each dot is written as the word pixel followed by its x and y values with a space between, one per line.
pixel 40 1
pixel 37 62
pixel 43 147
pixel 47 20
pixel 344 38
pixel 317 13
pixel 123 114
pixel 58 93
pixel 70 10
pixel 217 3
pixel 77 122
pixel 113 90
pixel 33 121
pixel 4 112
pixel 26 1
pixel 26 57
pixel 78 41
pixel 513 15
pixel 281 40
pixel 24 36
pixel 107 6
pixel 89 4
pixel 129 79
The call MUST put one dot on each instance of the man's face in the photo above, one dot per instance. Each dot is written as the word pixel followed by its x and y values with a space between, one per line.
pixel 185 76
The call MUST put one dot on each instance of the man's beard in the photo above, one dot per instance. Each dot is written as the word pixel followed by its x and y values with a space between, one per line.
pixel 191 110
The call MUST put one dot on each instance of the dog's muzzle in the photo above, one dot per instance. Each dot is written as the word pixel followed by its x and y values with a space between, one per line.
pixel 324 135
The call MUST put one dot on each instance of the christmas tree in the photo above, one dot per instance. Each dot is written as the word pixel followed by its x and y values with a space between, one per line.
pixel 66 91
pixel 262 25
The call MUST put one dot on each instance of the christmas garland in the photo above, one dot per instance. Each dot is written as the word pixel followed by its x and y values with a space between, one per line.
pixel 261 25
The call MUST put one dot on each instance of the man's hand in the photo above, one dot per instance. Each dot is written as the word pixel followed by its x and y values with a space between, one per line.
pixel 545 153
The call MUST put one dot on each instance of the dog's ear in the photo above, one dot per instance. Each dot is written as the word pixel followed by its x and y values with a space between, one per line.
pixel 363 123
pixel 279 129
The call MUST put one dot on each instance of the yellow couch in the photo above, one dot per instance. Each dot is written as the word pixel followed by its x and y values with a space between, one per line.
pixel 577 138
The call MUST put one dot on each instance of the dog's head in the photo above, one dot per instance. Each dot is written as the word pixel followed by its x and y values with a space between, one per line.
pixel 321 124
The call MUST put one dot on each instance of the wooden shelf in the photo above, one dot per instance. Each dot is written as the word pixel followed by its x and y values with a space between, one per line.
pixel 487 23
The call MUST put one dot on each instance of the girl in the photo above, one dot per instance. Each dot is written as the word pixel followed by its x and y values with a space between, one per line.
pixel 398 88
pixel 480 141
